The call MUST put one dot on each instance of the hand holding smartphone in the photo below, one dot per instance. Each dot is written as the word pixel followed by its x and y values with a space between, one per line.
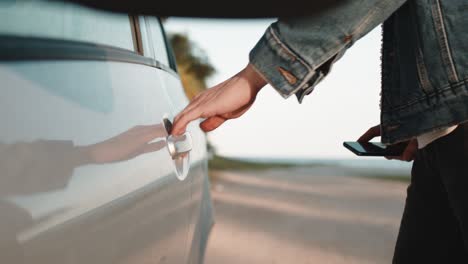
pixel 375 149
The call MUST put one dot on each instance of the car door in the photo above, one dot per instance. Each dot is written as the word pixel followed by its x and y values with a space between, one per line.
pixel 85 171
pixel 201 216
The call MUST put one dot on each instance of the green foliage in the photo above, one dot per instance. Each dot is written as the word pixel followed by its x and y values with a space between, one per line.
pixel 188 54
pixel 192 62
pixel 222 163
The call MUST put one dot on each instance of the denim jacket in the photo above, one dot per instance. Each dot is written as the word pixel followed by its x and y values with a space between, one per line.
pixel 424 58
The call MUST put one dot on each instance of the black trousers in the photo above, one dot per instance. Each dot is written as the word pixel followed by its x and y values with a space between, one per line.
pixel 434 227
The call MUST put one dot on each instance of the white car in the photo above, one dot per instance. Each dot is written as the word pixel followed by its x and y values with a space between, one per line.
pixel 88 171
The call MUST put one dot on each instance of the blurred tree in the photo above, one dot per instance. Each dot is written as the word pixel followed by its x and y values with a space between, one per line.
pixel 192 63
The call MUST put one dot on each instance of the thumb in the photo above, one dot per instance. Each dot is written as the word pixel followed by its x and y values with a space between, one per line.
pixel 212 123
pixel 370 134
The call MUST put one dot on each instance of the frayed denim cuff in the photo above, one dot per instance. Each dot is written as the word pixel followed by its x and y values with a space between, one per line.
pixel 283 68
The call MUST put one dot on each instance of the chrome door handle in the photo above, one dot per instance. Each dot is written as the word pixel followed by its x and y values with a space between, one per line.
pixel 179 146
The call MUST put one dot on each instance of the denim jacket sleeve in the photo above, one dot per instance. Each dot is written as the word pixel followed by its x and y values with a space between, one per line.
pixel 295 54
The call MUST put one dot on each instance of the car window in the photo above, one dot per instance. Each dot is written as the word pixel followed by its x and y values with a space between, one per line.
pixel 57 20
pixel 146 43
pixel 156 35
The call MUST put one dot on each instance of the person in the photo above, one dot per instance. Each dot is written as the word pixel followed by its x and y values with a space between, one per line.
pixel 424 102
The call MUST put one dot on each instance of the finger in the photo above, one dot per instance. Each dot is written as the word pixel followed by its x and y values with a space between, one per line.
pixel 196 97
pixel 239 112
pixel 184 112
pixel 410 151
pixel 180 125
pixel 178 116
pixel 212 123
pixel 192 105
pixel 370 134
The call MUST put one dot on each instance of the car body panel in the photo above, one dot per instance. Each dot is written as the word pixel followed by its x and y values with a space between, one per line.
pixel 77 184
pixel 103 213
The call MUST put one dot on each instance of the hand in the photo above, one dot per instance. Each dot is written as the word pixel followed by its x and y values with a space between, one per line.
pixel 227 100
pixel 125 146
pixel 408 154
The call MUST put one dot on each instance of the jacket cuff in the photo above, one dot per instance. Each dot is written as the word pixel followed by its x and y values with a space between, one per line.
pixel 283 68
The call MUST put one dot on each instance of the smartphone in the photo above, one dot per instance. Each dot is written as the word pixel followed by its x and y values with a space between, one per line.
pixel 375 148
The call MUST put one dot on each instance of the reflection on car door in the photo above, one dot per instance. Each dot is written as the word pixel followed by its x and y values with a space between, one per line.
pixel 59 204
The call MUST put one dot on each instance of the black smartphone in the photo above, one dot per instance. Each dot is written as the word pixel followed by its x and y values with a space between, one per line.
pixel 375 148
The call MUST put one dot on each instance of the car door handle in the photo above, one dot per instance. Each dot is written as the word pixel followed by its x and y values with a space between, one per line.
pixel 179 146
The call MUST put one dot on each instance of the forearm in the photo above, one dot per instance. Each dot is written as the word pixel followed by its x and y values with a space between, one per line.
pixel 296 53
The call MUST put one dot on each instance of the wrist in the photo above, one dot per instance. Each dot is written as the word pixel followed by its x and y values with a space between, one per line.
pixel 254 78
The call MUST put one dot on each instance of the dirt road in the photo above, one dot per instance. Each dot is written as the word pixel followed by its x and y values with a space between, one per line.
pixel 308 215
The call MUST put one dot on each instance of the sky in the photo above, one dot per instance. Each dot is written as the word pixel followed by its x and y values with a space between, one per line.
pixel 341 108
